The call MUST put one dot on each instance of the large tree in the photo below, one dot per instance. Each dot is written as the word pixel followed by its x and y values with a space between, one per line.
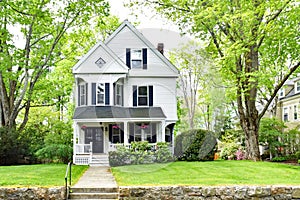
pixel 31 37
pixel 254 41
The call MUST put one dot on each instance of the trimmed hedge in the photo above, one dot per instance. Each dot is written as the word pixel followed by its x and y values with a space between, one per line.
pixel 195 145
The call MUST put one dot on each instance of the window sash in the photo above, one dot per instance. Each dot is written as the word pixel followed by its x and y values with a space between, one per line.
pixel 136 58
pixel 100 94
pixel 144 132
pixel 82 95
pixel 143 96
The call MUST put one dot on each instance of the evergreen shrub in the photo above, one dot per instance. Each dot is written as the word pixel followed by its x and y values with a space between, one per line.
pixel 195 145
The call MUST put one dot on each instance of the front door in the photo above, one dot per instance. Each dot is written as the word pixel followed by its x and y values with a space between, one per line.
pixel 95 135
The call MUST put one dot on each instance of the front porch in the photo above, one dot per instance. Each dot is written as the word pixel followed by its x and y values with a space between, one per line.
pixel 93 140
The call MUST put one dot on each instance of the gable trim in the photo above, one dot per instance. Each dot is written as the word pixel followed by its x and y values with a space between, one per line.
pixel 93 49
pixel 145 41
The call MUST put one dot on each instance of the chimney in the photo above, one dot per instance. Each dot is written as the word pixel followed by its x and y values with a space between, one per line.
pixel 160 48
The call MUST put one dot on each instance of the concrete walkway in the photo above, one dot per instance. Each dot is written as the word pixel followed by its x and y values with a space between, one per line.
pixel 96 177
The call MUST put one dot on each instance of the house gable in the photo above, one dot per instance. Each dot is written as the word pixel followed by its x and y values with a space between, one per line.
pixel 100 59
pixel 126 39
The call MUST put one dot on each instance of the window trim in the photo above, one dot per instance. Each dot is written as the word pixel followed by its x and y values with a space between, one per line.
pixel 295 112
pixel 281 92
pixel 136 59
pixel 116 94
pixel 143 135
pixel 143 96
pixel 297 86
pixel 82 96
pixel 285 114
pixel 97 93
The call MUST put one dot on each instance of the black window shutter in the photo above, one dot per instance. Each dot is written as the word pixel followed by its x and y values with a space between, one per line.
pixel 78 95
pixel 145 58
pixel 134 89
pixel 107 93
pixel 93 93
pixel 86 94
pixel 150 95
pixel 128 59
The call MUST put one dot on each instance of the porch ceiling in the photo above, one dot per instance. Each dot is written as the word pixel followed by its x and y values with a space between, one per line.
pixel 95 112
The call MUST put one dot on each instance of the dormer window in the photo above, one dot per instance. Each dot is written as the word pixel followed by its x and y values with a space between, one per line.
pixel 136 58
pixel 281 92
pixel 298 86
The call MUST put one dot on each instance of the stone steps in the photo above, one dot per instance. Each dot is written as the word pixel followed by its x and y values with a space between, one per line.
pixel 94 193
pixel 99 160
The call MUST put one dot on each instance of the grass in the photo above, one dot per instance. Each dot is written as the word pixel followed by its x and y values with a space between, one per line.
pixel 208 174
pixel 43 175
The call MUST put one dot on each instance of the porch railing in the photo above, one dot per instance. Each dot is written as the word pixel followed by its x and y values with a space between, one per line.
pixel 84 148
pixel 113 147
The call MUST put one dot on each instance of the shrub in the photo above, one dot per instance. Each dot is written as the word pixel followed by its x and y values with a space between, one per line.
pixel 140 153
pixel 279 159
pixel 195 145
pixel 119 157
pixel 229 151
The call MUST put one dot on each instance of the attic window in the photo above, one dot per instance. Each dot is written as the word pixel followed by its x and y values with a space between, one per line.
pixel 100 62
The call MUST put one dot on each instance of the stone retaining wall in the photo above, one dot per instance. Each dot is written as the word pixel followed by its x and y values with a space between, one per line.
pixel 211 193
pixel 35 193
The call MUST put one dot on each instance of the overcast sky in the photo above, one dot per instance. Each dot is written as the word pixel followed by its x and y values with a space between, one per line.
pixel 153 27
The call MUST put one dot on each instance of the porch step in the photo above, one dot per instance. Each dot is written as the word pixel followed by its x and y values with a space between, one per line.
pixel 94 193
pixel 100 160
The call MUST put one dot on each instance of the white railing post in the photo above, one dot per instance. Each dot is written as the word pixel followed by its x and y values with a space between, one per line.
pixel 91 151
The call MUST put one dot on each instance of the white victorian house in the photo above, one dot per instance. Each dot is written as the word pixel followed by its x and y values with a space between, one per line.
pixel 125 91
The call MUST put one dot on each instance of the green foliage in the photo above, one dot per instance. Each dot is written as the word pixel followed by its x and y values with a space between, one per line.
pixel 58 144
pixel 231 145
pixel 195 145
pixel 140 153
pixel 279 159
pixel 270 132
pixel 8 146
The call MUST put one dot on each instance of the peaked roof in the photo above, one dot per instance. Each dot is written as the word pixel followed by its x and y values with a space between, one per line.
pixel 93 49
pixel 144 40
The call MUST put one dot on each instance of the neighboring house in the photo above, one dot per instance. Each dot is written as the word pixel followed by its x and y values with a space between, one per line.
pixel 125 92
pixel 289 103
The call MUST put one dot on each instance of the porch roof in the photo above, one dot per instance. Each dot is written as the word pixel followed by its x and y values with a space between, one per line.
pixel 94 112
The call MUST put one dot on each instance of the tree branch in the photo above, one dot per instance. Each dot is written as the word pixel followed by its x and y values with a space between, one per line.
pixel 277 88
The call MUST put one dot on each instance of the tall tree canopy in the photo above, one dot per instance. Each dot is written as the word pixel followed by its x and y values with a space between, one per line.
pixel 256 43
pixel 31 38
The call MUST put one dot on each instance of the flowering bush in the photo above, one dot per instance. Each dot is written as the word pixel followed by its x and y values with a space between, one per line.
pixel 240 155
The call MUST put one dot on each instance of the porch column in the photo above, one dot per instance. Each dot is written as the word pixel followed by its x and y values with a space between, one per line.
pixel 125 132
pixel 75 136
pixel 163 131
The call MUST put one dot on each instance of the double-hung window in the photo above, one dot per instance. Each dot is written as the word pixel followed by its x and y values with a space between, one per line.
pixel 119 94
pixel 143 95
pixel 285 114
pixel 298 86
pixel 136 58
pixel 82 94
pixel 100 93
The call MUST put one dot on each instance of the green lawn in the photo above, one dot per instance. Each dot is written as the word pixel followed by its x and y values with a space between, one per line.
pixel 208 174
pixel 45 175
